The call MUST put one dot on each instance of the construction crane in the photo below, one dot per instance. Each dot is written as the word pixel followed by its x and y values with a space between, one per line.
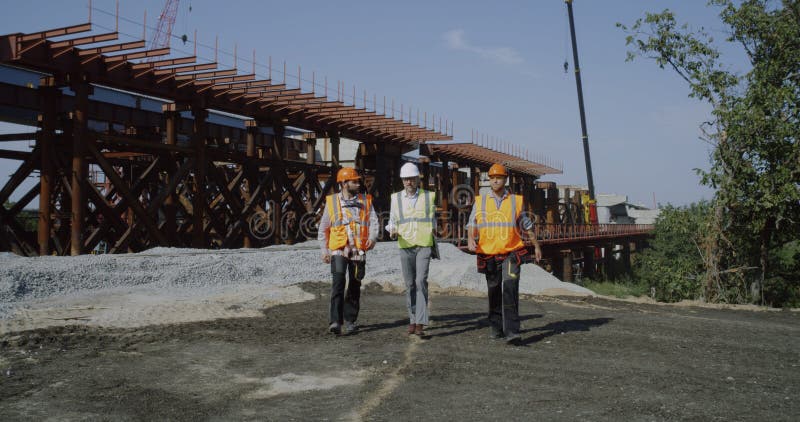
pixel 585 135
pixel 166 21
pixel 584 131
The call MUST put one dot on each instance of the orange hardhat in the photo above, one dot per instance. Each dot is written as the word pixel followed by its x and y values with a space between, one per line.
pixel 498 170
pixel 347 173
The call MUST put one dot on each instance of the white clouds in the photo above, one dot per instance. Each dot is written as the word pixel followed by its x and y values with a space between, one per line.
pixel 454 39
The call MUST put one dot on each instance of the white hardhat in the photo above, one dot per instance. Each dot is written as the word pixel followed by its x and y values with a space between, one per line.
pixel 409 170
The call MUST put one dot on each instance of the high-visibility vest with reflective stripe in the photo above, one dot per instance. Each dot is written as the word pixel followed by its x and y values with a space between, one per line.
pixel 415 227
pixel 497 227
pixel 345 226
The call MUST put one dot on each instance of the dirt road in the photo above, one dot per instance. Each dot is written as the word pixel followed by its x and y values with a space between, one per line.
pixel 580 359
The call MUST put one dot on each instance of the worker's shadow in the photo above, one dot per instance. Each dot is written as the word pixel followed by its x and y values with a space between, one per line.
pixel 560 327
pixel 454 324
pixel 383 326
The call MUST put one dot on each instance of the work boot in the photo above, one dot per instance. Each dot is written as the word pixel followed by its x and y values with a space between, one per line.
pixel 335 328
pixel 412 328
pixel 495 333
pixel 419 330
pixel 350 327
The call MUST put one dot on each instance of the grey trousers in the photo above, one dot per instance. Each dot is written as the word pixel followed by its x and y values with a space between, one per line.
pixel 414 262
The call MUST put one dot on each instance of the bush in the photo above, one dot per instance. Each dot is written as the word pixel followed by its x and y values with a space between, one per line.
pixel 673 265
pixel 783 288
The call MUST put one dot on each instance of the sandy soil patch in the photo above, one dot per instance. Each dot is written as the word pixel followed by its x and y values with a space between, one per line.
pixel 142 306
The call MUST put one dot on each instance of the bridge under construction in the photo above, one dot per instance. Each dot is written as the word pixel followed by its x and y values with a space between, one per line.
pixel 134 148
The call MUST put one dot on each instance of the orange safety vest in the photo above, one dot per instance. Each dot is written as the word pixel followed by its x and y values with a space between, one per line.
pixel 344 226
pixel 497 228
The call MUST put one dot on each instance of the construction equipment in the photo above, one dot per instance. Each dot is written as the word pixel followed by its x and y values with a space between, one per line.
pixel 166 21
pixel 584 132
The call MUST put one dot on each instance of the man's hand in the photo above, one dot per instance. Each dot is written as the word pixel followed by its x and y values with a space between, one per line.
pixel 392 230
pixel 471 245
pixel 537 250
pixel 370 244
pixel 326 257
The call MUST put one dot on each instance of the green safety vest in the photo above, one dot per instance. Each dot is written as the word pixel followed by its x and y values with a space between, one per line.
pixel 415 227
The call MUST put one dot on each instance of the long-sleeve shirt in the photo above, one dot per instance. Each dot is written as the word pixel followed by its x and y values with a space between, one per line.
pixel 353 207
pixel 523 222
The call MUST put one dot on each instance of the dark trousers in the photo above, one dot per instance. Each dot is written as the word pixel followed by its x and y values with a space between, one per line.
pixel 502 281
pixel 344 305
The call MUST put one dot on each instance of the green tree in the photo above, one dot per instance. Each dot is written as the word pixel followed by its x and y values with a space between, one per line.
pixel 781 289
pixel 673 264
pixel 27 219
pixel 755 162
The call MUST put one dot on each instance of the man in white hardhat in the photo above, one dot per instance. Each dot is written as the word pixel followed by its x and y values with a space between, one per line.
pixel 412 220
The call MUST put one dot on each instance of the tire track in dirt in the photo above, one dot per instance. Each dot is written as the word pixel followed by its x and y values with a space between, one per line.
pixel 388 385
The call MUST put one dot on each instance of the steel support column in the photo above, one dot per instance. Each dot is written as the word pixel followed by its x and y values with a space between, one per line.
pixel 277 189
pixel 539 201
pixel 608 261
pixel 81 88
pixel 444 199
pixel 455 230
pixel 556 263
pixel 250 153
pixel 453 177
pixel 530 182
pixel 475 180
pixel 566 256
pixel 588 262
pixel 551 216
pixel 311 150
pixel 626 255
pixel 311 184
pixel 425 171
pixel 50 103
pixel 171 119
pixel 382 182
pixel 199 131
pixel 334 140
pixel 444 186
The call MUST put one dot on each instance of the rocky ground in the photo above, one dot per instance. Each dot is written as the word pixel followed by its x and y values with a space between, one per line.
pixel 579 359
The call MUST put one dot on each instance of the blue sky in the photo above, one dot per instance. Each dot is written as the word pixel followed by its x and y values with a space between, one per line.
pixel 495 68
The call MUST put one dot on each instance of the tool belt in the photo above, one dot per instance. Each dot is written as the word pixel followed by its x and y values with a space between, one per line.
pixel 492 263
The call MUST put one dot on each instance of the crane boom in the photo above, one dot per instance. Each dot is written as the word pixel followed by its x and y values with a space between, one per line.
pixel 584 132
pixel 166 20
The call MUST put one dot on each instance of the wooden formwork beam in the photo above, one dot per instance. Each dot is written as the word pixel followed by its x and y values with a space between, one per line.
pixel 126 193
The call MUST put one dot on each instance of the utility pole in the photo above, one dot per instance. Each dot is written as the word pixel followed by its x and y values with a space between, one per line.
pixel 585 135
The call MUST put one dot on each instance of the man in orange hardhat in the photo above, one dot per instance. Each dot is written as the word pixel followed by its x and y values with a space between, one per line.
pixel 348 228
pixel 494 231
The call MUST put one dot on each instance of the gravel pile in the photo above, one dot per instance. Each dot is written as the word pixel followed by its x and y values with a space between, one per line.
pixel 200 271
